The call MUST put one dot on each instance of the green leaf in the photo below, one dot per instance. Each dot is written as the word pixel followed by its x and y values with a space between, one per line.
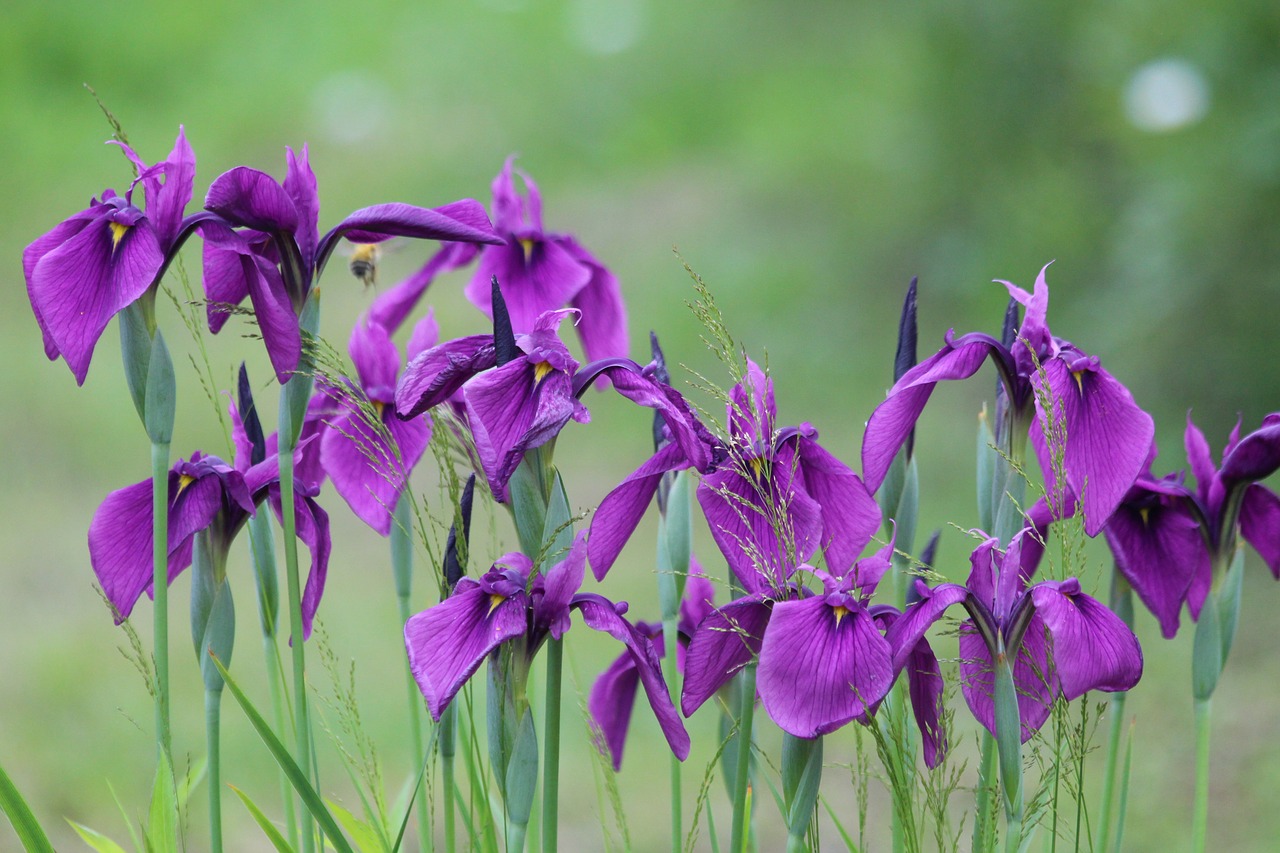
pixel 20 815
pixel 1206 650
pixel 290 767
pixel 162 820
pixel 262 547
pixel 558 528
pixel 987 457
pixel 528 506
pixel 135 351
pixel 1008 736
pixel 264 823
pixel 365 835
pixel 801 776
pixel 94 839
pixel 161 393
pixel 522 771
pixel 844 834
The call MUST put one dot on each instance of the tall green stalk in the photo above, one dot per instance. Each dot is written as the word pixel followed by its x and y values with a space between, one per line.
pixel 1122 606
pixel 742 784
pixel 448 747
pixel 212 729
pixel 1200 815
pixel 401 542
pixel 160 582
pixel 551 766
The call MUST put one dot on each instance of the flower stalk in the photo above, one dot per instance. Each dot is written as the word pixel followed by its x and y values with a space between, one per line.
pixel 742 767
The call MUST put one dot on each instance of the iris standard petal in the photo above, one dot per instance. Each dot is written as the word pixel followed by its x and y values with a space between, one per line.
pixel 166 207
pixel 537 275
pixel 726 641
pixel 448 642
pixel 821 666
pixel 252 199
pixel 376 359
pixel 300 186
pixel 892 421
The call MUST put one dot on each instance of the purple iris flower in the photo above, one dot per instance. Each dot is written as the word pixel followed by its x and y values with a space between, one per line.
pixel 1168 540
pixel 512 603
pixel 1106 435
pixel 613 694
pixel 541 272
pixel 780 495
pixel 1064 642
pixel 279 251
pixel 204 493
pixel 366 450
pixel 101 260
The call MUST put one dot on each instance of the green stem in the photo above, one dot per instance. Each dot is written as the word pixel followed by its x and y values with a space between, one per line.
pixel 1200 818
pixel 262 552
pixel 670 635
pixel 212 731
pixel 742 784
pixel 982 823
pixel 551 777
pixel 160 582
pixel 402 571
pixel 447 732
pixel 302 723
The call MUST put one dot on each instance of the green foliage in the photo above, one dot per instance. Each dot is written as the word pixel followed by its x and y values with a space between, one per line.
pixel 19 813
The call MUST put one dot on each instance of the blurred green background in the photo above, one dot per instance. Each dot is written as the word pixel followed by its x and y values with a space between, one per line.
pixel 806 159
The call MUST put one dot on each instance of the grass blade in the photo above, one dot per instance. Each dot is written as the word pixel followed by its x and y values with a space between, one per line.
pixel 264 823
pixel 24 822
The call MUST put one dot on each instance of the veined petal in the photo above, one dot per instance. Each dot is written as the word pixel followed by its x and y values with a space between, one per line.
pixel 448 642
pixel 726 641
pixel 536 278
pixel 613 696
pixel 166 206
pixel 369 464
pixel 273 310
pixel 603 328
pixel 632 382
pixel 1159 548
pixel 924 683
pixel 1108 438
pixel 462 220
pixel 599 614
pixel 77 287
pixel 1260 524
pixel 435 375
pixel 226 282
pixel 376 359
pixel 561 583
pixel 1256 456
pixel 392 306
pixel 821 666
pixel 1036 684
pixel 1092 647
pixel 850 516
pixel 909 629
pixel 252 199
pixel 621 510
pixel 893 420
pixel 425 334
pixel 1200 458
pixel 300 186
pixel 120 546
pixel 41 246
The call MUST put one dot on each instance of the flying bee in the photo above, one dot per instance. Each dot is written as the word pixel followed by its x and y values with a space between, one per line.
pixel 364 262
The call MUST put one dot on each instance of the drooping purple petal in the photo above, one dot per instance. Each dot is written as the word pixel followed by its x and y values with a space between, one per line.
pixel 393 306
pixel 893 420
pixel 612 698
pixel 909 629
pixel 600 614
pixel 1036 684
pixel 311 524
pixel 850 516
pixel 435 375
pixel 1256 456
pixel 640 387
pixel 821 666
pixel 43 245
pixel 603 329
pixel 726 641
pixel 120 546
pixel 448 642
pixel 369 464
pixel 226 282
pixel 1092 647
pixel 621 510
pixel 462 220
pixel 273 310
pixel 79 285
pixel 1159 548
pixel 1260 524
pixel 1108 438
pixel 537 275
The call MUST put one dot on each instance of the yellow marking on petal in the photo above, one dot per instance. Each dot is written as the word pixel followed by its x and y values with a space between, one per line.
pixel 1145 512
pixel 840 612
pixel 118 230
pixel 494 600
pixel 379 408
pixel 540 370
pixel 184 480
pixel 757 466
pixel 527 245
pixel 1078 374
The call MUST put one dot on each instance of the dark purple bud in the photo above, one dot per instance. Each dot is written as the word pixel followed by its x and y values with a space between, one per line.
pixel 249 416
pixel 905 358
pixel 660 374
pixel 455 565
pixel 504 339
pixel 1009 334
